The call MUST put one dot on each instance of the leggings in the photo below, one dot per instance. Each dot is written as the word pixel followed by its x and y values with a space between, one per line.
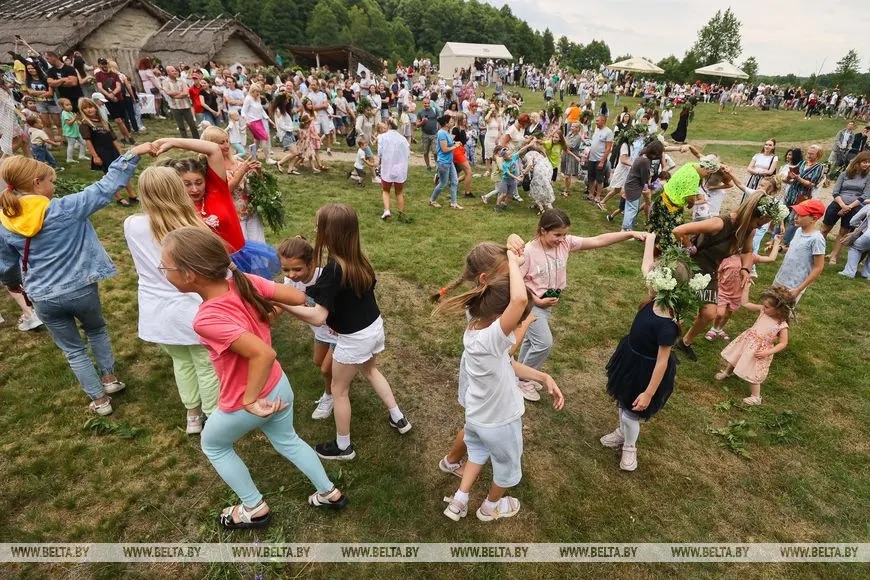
pixel 223 429
pixel 71 143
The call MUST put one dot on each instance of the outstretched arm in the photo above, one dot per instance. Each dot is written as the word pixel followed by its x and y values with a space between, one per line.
pixel 610 238
pixel 212 151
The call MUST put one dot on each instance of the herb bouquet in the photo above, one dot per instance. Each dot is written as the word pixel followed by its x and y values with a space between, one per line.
pixel 265 198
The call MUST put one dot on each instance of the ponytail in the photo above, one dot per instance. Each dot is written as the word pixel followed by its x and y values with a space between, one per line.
pixel 9 203
pixel 435 297
pixel 19 173
pixel 484 258
pixel 249 294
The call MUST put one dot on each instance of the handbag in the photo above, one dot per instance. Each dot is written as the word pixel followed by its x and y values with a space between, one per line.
pixel 351 138
pixel 527 182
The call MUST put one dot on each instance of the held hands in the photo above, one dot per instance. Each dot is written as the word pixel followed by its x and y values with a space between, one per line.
pixel 264 407
pixel 641 402
pixel 553 391
pixel 640 236
pixel 515 256
pixel 516 244
pixel 147 148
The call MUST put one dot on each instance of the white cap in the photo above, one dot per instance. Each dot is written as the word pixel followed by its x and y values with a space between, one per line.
pixel 98 96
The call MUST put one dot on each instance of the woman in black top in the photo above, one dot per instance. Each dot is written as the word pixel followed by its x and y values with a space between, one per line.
pixel 343 298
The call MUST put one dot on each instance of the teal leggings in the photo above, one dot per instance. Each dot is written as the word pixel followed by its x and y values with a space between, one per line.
pixel 223 429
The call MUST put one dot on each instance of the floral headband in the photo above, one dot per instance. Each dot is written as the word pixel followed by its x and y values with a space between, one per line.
pixel 672 294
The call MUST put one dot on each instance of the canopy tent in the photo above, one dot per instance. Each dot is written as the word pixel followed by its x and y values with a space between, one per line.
pixel 636 65
pixel 336 56
pixel 461 55
pixel 722 69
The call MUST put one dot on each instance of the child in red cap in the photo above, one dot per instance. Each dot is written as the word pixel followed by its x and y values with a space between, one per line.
pixel 805 258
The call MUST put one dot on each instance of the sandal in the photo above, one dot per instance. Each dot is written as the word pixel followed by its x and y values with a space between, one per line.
pixel 328 500
pixel 752 401
pixel 565 194
pixel 294 172
pixel 711 335
pixel 724 335
pixel 280 168
pixel 246 519
pixel 132 200
pixel 722 375
pixel 122 202
pixel 490 515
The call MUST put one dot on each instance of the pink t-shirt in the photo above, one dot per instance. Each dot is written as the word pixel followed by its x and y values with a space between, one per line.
pixel 547 268
pixel 220 322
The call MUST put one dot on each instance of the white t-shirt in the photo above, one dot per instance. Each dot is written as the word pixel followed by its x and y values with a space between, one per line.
pixel 395 155
pixel 318 97
pixel 322 333
pixel 360 162
pixel 666 116
pixel 487 382
pixel 762 162
pixel 165 314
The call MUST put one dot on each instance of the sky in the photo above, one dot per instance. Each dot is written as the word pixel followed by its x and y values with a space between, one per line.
pixel 785 36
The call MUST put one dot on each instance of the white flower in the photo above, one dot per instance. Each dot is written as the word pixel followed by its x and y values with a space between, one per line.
pixel 660 279
pixel 699 282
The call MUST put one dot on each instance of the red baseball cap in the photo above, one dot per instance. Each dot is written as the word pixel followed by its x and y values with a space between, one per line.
pixel 813 207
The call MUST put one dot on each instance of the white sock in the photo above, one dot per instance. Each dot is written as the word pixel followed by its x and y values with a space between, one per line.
pixel 630 429
pixel 504 505
pixel 490 505
pixel 395 414
pixel 461 496
pixel 343 441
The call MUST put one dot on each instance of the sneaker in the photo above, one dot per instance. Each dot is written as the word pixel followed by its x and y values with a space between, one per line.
pixel 376 179
pixel 402 425
pixel 102 409
pixel 324 407
pixel 629 458
pixel 530 393
pixel 455 509
pixel 609 218
pixel 131 140
pixel 444 466
pixel 271 161
pixel 386 215
pixel 455 206
pixel 194 424
pixel 518 198
pixel 434 204
pixel 613 440
pixel 26 323
pixel 485 198
pixel 486 515
pixel 330 450
pixel 469 194
pixel 686 350
pixel 354 177
pixel 113 387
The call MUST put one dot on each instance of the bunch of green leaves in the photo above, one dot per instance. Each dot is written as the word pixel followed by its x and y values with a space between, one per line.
pixel 553 110
pixel 265 199
pixel 682 299
pixel 783 427
pixel 103 426
pixel 363 104
pixel 734 436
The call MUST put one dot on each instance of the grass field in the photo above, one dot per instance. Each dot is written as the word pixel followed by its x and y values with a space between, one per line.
pixel 792 470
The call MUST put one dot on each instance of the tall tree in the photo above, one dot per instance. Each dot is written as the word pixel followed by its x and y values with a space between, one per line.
pixel 323 24
pixel 549 45
pixel 563 47
pixel 403 41
pixel 594 54
pixel 280 23
pixel 750 67
pixel 718 40
pixel 847 69
pixel 671 65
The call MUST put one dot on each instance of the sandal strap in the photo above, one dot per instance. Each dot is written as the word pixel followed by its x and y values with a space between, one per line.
pixel 246 516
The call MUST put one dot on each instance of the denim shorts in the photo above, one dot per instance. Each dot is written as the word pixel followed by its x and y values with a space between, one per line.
pixel 504 445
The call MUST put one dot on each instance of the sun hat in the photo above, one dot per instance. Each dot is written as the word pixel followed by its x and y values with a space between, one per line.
pixel 813 207
pixel 98 96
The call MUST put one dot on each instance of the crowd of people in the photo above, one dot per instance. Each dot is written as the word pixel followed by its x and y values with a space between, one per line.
pixel 206 293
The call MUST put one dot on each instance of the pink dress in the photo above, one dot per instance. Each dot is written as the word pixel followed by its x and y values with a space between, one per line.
pixel 741 352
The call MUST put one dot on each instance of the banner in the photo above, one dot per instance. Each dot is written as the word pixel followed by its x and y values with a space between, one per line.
pixel 443 552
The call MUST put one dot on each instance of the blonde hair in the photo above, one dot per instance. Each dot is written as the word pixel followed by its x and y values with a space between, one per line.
pixel 86 102
pixel 166 202
pixel 484 258
pixel 746 213
pixel 217 135
pixel 19 173
pixel 202 252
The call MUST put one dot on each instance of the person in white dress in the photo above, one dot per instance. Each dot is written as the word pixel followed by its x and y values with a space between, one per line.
pixel 395 154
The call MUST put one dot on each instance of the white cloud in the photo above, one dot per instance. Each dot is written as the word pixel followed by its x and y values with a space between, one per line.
pixel 785 36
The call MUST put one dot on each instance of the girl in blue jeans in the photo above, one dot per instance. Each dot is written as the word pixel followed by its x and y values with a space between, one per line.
pixel 48 246
pixel 446 169
pixel 233 324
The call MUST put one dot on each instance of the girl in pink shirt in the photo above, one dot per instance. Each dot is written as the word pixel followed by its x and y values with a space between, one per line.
pixel 233 324
pixel 545 274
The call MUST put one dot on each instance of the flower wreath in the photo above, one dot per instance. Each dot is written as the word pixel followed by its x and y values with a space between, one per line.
pixel 363 104
pixel 675 286
pixel 772 208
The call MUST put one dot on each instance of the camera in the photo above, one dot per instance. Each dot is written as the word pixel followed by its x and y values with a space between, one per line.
pixel 552 293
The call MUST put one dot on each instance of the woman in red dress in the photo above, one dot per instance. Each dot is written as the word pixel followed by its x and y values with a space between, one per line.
pixel 205 180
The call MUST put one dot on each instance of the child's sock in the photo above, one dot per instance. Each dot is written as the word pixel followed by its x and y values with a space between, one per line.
pixel 490 505
pixel 395 414
pixel 630 428
pixel 343 441
pixel 461 496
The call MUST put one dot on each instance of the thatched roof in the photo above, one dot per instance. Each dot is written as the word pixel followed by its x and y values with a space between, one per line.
pixel 337 56
pixel 60 25
pixel 199 39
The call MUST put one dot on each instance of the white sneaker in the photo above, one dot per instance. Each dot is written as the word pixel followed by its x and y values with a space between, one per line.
pixel 26 323
pixel 530 393
pixel 386 214
pixel 271 161
pixel 102 409
pixel 629 458
pixel 113 387
pixel 194 424
pixel 613 440
pixel 324 407
pixel 376 179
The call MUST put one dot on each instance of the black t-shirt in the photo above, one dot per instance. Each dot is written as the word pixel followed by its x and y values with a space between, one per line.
pixel 349 95
pixel 210 98
pixel 649 331
pixel 348 313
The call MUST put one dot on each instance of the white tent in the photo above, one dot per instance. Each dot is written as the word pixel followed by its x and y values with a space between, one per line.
pixel 722 69
pixel 461 55
pixel 637 65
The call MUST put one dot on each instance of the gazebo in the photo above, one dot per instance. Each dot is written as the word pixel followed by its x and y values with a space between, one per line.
pixel 459 55
pixel 336 57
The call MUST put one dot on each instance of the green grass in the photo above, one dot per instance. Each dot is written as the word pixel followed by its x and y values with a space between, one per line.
pixel 806 481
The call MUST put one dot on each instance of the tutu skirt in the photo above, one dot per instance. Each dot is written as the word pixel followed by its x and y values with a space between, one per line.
pixel 257 258
pixel 628 374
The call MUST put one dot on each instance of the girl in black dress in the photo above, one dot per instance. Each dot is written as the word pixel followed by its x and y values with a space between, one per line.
pixel 102 144
pixel 641 372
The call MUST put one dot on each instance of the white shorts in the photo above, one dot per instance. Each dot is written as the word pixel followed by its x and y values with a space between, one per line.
pixel 361 346
pixel 324 124
pixel 504 445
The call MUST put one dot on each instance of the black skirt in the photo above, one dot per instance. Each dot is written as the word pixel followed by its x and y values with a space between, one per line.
pixel 628 374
